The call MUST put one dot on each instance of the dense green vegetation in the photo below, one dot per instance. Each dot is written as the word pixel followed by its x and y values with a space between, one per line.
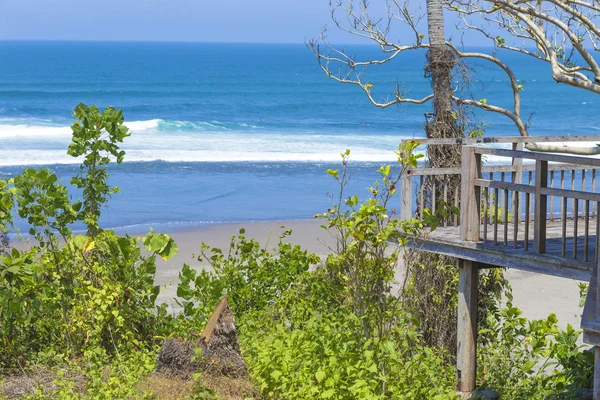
pixel 83 306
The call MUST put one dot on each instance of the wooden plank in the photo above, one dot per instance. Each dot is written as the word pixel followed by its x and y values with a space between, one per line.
pixel 506 257
pixel 541 204
pixel 538 156
pixel 572 194
pixel 214 318
pixel 506 139
pixel 466 355
pixel 470 195
pixel 490 168
pixel 519 187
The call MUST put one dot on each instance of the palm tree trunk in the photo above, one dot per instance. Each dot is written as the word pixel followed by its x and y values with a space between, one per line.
pixel 440 63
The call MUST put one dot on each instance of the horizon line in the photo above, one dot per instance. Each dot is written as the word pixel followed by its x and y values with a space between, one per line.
pixel 188 42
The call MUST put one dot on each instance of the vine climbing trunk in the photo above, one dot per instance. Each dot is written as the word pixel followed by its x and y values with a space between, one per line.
pixel 445 123
pixel 433 289
pixel 440 63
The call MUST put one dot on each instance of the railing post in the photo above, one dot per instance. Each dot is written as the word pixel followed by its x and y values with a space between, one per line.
pixel 541 206
pixel 470 195
pixel 406 192
pixel 466 352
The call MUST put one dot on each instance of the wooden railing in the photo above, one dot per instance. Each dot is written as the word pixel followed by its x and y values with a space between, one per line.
pixel 536 196
pixel 515 201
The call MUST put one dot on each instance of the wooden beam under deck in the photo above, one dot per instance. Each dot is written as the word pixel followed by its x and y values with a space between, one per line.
pixel 446 241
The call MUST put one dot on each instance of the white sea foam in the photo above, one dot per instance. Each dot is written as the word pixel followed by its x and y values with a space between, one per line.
pixel 172 141
pixel 137 126
pixel 19 129
pixel 47 157
pixel 29 131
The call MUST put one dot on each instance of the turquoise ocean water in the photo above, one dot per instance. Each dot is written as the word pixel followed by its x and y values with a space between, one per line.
pixel 237 132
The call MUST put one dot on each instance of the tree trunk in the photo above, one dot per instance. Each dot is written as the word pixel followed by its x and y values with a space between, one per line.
pixel 440 63
pixel 433 291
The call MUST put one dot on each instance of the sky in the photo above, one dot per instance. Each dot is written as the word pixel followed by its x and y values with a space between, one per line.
pixel 259 21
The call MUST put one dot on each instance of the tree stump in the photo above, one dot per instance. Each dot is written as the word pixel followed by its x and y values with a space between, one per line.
pixel 220 350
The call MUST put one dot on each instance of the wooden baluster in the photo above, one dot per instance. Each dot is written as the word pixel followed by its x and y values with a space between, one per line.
pixel 502 199
pixel 587 230
pixel 456 204
pixel 575 221
pixel 421 199
pixel 505 216
pixel 446 197
pixel 541 204
pixel 573 188
pixel 529 211
pixel 552 197
pixel 515 217
pixel 564 227
pixel 582 185
pixel 527 206
pixel 594 191
pixel 486 208
pixel 433 194
pixel 517 177
pixel 495 220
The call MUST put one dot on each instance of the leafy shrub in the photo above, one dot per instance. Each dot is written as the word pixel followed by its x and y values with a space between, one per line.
pixel 253 277
pixel 323 358
pixel 532 359
pixel 95 292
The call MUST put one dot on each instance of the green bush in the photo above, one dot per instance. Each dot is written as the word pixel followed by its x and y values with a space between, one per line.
pixel 67 294
pixel 532 359
pixel 253 277
pixel 310 345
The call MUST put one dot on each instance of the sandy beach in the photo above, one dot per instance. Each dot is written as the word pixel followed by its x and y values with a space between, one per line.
pixel 536 295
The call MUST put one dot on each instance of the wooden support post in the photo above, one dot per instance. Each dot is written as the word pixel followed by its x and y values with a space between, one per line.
pixel 470 201
pixel 406 192
pixel 541 206
pixel 466 354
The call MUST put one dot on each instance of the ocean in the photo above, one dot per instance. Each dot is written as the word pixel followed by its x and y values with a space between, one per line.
pixel 238 132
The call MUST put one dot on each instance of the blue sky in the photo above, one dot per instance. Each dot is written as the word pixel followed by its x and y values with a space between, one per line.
pixel 278 21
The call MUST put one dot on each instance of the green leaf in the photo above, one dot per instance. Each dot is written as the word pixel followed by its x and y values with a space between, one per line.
pixel 276 375
pixel 320 375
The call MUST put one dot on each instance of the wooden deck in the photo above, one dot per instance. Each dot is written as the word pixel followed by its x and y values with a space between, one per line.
pixel 541 217
pixel 506 253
